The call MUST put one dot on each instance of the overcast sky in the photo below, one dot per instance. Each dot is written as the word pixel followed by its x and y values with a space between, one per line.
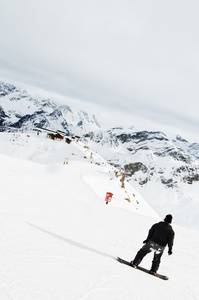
pixel 138 59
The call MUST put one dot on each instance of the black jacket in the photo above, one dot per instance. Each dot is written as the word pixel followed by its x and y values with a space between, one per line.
pixel 162 234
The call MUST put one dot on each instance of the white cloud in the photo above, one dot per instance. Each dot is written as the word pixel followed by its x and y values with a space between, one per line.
pixel 138 56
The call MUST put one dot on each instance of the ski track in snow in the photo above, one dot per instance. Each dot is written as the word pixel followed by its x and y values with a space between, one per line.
pixel 59 240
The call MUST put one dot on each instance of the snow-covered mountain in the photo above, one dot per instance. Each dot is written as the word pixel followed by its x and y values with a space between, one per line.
pixel 18 109
pixel 163 169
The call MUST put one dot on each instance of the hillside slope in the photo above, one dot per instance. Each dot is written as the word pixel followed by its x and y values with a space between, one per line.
pixel 59 239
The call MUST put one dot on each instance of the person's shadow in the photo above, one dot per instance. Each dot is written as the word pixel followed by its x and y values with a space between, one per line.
pixel 71 242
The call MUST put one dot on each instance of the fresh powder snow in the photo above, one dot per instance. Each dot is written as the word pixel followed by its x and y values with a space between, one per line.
pixel 59 238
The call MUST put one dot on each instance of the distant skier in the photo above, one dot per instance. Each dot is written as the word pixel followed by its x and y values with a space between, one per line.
pixel 160 235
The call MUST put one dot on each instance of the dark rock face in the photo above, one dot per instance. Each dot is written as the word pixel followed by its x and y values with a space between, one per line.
pixel 2 116
pixel 132 168
pixel 141 136
pixel 6 89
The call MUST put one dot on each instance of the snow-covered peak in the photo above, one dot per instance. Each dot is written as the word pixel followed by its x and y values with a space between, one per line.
pixel 19 109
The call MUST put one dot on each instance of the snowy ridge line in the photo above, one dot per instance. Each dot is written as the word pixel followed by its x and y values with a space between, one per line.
pixel 97 158
pixel 88 185
pixel 119 196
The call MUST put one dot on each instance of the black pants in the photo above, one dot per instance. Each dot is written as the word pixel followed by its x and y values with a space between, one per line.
pixel 147 248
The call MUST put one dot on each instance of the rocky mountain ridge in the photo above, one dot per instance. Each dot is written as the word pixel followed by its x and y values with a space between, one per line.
pixel 146 152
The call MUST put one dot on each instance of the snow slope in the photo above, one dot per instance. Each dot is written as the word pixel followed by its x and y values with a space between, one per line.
pixel 59 239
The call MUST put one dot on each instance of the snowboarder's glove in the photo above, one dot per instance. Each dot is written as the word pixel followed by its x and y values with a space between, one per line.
pixel 145 242
pixel 169 252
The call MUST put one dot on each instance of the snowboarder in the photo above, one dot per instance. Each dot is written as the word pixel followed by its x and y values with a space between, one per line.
pixel 160 235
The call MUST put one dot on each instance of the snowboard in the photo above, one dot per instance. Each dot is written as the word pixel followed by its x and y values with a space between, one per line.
pixel 122 261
